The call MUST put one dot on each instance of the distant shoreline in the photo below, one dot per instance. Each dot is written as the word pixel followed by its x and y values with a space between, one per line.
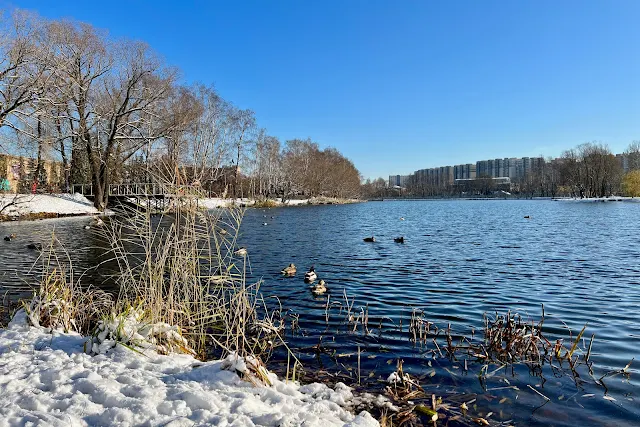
pixel 212 203
pixel 555 199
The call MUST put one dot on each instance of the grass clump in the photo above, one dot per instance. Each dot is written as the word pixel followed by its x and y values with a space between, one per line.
pixel 181 287
pixel 58 302
pixel 266 203
pixel 129 328
pixel 185 269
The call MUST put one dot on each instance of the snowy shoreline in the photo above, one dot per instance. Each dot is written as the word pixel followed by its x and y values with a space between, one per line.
pixel 25 207
pixel 598 199
pixel 216 202
pixel 37 206
pixel 45 377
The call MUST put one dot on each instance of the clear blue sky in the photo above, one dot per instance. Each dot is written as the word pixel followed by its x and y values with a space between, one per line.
pixel 403 85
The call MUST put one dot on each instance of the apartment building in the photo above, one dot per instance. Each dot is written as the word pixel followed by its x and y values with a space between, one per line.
pixel 512 168
pixel 398 180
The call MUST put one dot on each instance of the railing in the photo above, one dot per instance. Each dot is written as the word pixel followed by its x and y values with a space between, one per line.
pixel 84 189
pixel 138 189
pixel 141 190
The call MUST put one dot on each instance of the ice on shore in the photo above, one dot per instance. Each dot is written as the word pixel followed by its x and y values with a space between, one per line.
pixel 47 379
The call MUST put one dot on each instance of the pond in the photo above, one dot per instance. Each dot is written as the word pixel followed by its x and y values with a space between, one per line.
pixel 459 260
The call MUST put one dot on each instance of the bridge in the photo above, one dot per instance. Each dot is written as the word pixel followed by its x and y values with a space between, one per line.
pixel 152 195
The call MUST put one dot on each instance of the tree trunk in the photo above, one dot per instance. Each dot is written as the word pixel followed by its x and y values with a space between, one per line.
pixel 65 160
pixel 100 185
pixel 235 175
pixel 39 165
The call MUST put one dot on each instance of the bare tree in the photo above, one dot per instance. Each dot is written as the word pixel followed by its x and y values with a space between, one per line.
pixel 633 155
pixel 207 141
pixel 590 170
pixel 242 123
pixel 114 96
pixel 23 65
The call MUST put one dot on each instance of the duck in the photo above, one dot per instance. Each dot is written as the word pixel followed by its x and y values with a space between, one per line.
pixel 319 289
pixel 264 223
pixel 399 239
pixel 401 218
pixel 241 252
pixel 35 246
pixel 369 239
pixel 310 275
pixel 10 237
pixel 87 227
pixel 527 217
pixel 222 231
pixel 290 270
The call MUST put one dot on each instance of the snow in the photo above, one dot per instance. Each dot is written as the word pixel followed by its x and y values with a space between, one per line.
pixel 601 199
pixel 65 204
pixel 216 202
pixel 394 378
pixel 213 203
pixel 47 379
pixel 294 202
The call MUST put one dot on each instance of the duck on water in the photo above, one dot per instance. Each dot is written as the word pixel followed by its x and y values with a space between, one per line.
pixel 310 276
pixel 320 288
pixel 290 270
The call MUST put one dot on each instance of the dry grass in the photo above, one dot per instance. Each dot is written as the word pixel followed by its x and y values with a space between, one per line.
pixel 266 203
pixel 58 301
pixel 190 273
pixel 182 286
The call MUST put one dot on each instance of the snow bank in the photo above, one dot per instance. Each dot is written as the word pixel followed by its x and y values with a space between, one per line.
pixel 47 379
pixel 64 204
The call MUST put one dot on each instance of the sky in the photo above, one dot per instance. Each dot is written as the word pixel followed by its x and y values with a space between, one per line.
pixel 398 86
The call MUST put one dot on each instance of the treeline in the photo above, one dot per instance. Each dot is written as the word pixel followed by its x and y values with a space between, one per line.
pixel 301 168
pixel 112 111
pixel 588 170
pixel 591 170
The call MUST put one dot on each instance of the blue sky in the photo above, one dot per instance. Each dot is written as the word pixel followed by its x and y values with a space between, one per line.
pixel 403 85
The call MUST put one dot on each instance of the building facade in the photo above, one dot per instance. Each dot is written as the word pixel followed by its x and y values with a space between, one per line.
pixel 398 180
pixel 18 175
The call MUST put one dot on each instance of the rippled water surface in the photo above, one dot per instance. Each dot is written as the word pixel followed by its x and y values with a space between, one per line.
pixel 460 259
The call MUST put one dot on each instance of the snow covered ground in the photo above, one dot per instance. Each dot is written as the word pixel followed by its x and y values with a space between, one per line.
pixel 47 379
pixel 64 204
pixel 212 203
pixel 601 199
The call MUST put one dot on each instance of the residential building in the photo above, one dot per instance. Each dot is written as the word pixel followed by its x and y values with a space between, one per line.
pixel 398 180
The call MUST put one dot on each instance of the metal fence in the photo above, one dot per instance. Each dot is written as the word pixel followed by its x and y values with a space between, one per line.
pixel 141 190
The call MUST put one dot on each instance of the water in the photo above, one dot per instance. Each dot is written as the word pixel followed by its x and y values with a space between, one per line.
pixel 459 260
